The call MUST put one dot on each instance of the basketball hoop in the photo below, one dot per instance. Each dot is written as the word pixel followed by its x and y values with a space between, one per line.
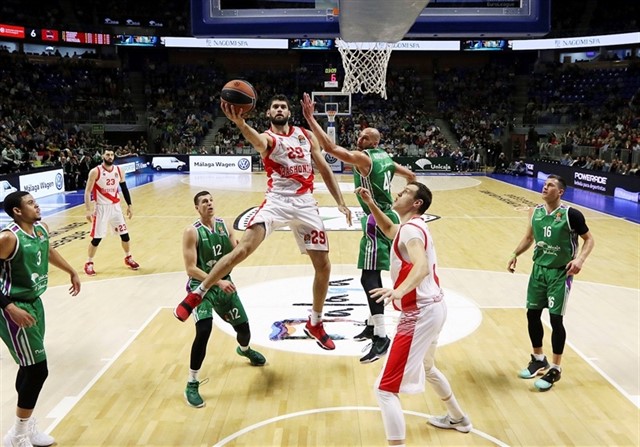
pixel 331 115
pixel 365 66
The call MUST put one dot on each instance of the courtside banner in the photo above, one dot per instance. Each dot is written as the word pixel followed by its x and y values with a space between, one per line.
pixel 231 164
pixel 43 184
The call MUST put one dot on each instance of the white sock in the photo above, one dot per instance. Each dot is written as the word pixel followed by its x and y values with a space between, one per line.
pixel 553 365
pixel 244 348
pixel 200 290
pixel 21 427
pixel 89 259
pixel 453 408
pixel 539 357
pixel 193 375
pixel 316 317
pixel 378 325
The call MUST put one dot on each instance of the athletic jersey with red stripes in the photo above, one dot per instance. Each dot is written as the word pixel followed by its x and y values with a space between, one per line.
pixel 105 190
pixel 429 290
pixel 288 162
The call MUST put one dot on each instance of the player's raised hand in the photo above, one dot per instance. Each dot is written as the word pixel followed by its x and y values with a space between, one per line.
pixel 365 194
pixel 307 106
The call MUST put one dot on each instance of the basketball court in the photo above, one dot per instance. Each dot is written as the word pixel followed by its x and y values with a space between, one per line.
pixel 118 359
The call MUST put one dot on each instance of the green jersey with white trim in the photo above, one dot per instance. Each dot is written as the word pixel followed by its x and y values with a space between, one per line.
pixel 556 243
pixel 213 244
pixel 378 182
pixel 25 275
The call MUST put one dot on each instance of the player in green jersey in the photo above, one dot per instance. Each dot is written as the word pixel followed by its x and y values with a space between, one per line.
pixel 554 228
pixel 374 170
pixel 25 255
pixel 203 244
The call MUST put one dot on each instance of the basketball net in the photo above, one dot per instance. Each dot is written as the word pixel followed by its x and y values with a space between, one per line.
pixel 365 66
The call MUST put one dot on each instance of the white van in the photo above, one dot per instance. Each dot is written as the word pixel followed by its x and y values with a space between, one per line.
pixel 160 163
pixel 6 188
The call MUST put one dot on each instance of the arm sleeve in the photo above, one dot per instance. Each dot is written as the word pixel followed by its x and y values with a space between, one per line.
pixel 125 193
pixel 4 300
pixel 577 221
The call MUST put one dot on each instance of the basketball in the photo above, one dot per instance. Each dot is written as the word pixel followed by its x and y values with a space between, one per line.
pixel 240 94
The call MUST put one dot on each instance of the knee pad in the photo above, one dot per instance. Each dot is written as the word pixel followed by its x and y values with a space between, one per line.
pixel 125 237
pixel 33 377
pixel 95 241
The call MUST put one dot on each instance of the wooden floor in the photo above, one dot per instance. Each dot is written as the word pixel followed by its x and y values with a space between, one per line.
pixel 118 359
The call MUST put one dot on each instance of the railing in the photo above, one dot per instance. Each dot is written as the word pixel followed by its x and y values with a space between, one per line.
pixel 554 152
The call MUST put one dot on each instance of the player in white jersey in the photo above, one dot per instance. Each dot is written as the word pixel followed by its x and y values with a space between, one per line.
pixel 102 187
pixel 287 152
pixel 417 294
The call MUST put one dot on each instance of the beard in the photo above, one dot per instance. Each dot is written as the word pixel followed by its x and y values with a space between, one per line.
pixel 278 121
pixel 107 162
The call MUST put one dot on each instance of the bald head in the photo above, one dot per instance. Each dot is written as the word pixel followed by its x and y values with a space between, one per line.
pixel 369 138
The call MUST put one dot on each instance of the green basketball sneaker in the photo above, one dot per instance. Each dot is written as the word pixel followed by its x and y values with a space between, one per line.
pixel 254 357
pixel 192 394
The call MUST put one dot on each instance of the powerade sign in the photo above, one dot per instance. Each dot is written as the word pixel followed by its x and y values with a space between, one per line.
pixel 229 165
pixel 590 181
pixel 43 184
pixel 622 186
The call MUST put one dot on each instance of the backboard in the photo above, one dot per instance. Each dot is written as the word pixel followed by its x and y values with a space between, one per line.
pixel 321 18
pixel 331 101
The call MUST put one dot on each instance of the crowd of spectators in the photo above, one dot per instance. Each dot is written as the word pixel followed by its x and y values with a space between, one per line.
pixel 478 104
pixel 572 93
pixel 72 90
pixel 182 104
pixel 43 104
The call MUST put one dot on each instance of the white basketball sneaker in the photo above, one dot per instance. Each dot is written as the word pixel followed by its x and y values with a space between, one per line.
pixel 38 438
pixel 11 440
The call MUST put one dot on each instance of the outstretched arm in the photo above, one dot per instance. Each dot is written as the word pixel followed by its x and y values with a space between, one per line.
pixel 407 173
pixel 356 158
pixel 258 140
pixel 386 225
pixel 329 179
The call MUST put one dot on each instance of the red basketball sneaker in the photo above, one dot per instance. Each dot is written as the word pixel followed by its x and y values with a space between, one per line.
pixel 129 262
pixel 184 309
pixel 88 269
pixel 318 333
